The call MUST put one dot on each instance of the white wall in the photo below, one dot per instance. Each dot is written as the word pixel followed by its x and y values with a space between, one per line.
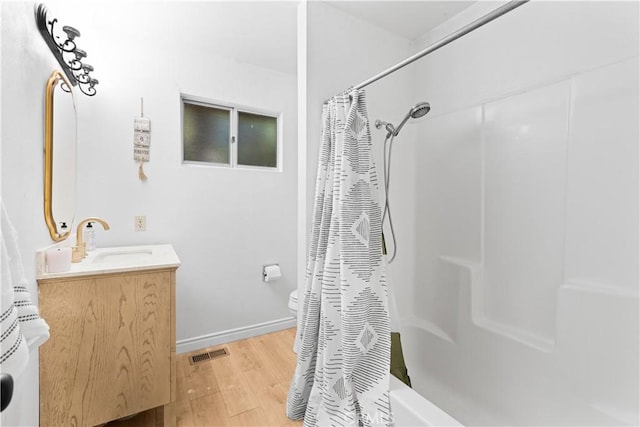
pixel 26 66
pixel 224 224
pixel 527 216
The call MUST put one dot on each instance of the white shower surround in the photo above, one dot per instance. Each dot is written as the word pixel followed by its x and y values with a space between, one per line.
pixel 551 337
pixel 524 307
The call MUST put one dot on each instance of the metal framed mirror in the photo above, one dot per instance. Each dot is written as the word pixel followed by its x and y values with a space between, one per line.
pixel 59 156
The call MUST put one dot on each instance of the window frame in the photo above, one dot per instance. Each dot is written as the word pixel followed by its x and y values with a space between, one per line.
pixel 233 109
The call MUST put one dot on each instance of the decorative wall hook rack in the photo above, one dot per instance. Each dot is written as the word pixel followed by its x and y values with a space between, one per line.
pixel 63 45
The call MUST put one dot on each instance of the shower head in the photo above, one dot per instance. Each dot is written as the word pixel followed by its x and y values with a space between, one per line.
pixel 420 110
pixel 417 111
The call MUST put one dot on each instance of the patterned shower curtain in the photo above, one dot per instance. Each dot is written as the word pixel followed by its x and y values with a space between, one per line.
pixel 342 370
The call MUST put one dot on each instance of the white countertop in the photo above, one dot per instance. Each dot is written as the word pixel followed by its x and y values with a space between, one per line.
pixel 115 260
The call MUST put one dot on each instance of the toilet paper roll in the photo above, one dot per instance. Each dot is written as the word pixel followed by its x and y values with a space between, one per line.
pixel 58 260
pixel 272 272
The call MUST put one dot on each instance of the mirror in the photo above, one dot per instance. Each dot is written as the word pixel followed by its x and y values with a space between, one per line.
pixel 59 157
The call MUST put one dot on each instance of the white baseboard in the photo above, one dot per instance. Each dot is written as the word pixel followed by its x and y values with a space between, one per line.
pixel 203 341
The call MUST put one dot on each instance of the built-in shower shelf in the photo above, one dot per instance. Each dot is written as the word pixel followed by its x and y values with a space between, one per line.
pixel 467 305
pixel 468 297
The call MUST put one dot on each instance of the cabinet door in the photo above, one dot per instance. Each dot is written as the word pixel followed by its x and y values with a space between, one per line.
pixel 109 351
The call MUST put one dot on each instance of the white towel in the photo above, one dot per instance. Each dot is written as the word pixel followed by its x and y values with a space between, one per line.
pixel 21 327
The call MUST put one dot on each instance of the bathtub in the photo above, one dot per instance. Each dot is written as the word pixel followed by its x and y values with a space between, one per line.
pixel 410 409
pixel 483 378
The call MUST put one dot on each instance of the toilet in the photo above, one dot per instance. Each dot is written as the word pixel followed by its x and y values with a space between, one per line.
pixel 293 309
pixel 293 303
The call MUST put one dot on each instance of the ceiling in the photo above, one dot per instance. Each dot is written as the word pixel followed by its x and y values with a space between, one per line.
pixel 260 32
pixel 249 30
pixel 409 19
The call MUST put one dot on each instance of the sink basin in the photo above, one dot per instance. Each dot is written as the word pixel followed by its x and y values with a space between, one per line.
pixel 123 257
pixel 118 260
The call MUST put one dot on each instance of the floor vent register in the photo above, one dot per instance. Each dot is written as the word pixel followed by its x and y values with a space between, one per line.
pixel 209 355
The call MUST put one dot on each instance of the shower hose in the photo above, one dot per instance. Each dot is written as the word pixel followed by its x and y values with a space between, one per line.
pixel 388 148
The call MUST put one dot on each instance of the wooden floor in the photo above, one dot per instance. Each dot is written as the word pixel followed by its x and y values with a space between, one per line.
pixel 248 387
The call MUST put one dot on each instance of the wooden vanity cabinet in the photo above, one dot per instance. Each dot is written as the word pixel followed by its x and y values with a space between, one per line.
pixel 111 353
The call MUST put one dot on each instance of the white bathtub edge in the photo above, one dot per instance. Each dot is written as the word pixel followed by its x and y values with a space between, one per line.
pixel 411 409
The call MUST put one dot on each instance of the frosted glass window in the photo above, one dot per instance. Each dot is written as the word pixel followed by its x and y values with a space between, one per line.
pixel 221 134
pixel 206 132
pixel 257 140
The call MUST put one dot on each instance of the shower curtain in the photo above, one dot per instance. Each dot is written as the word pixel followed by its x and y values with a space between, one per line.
pixel 342 370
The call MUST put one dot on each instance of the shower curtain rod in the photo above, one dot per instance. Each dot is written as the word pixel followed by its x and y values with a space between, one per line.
pixel 496 13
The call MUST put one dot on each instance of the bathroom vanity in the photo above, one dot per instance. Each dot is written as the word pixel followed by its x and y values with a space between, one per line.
pixel 111 353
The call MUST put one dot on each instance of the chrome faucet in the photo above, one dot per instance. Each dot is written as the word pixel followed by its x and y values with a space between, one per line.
pixel 79 251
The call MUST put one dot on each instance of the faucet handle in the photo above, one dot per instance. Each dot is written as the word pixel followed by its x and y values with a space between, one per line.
pixel 78 252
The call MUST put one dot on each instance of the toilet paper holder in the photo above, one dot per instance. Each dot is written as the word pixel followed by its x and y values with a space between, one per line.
pixel 271 272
